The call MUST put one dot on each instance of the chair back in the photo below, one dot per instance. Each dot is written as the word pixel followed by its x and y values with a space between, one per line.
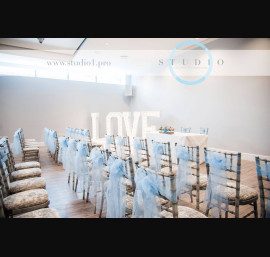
pixel 263 176
pixel 123 147
pixel 185 130
pixel 141 150
pixel 204 131
pixel 110 144
pixel 165 156
pixel 229 177
pixel 188 170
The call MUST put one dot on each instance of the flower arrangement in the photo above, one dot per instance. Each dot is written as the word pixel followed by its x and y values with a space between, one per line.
pixel 166 130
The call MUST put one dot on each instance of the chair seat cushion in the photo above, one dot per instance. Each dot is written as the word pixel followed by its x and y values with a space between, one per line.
pixel 31 149
pixel 40 213
pixel 26 173
pixel 27 184
pixel 30 140
pixel 144 164
pixel 26 199
pixel 27 165
pixel 246 193
pixel 129 201
pixel 184 212
pixel 203 181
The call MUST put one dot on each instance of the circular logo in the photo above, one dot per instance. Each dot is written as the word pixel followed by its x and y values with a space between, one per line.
pixel 191 42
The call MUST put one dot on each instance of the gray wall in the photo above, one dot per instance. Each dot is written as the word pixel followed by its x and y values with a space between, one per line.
pixel 35 103
pixel 235 109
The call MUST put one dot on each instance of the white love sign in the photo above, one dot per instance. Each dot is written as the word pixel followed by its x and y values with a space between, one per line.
pixel 131 127
pixel 145 127
pixel 131 131
pixel 109 117
pixel 95 125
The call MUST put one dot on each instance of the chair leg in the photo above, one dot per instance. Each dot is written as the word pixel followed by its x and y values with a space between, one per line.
pixel 83 194
pixel 73 180
pixel 175 210
pixel 255 209
pixel 76 184
pixel 207 209
pixel 101 205
pixel 95 210
pixel 191 197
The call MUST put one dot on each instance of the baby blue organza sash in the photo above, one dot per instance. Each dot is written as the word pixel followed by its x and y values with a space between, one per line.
pixel 265 171
pixel 120 141
pixel 62 150
pixel 216 194
pixel 52 143
pixel 16 147
pixel 146 204
pixel 184 177
pixel 97 177
pixel 81 163
pixel 157 151
pixel 137 147
pixel 70 155
pixel 108 142
pixel 116 191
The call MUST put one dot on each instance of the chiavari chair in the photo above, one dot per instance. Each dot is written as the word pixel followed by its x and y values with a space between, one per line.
pixel 236 194
pixel 263 176
pixel 196 181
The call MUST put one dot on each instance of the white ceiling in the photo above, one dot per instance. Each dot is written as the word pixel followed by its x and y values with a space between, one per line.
pixel 142 54
pixel 59 45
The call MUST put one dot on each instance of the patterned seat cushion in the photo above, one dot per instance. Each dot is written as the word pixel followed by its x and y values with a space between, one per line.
pixel 129 201
pixel 26 199
pixel 40 213
pixel 184 212
pixel 246 193
pixel 30 140
pixel 203 181
pixel 27 165
pixel 26 173
pixel 31 149
pixel 27 184
pixel 144 164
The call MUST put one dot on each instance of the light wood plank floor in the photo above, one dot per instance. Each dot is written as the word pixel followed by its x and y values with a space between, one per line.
pixel 71 205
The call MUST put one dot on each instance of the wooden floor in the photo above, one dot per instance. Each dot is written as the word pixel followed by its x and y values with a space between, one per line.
pixel 70 204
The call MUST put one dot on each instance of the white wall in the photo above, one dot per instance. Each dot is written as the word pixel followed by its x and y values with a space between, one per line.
pixel 235 109
pixel 35 103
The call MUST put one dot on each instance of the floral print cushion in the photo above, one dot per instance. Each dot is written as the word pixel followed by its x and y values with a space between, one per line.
pixel 26 173
pixel 184 212
pixel 25 199
pixel 41 213
pixel 27 184
pixel 27 165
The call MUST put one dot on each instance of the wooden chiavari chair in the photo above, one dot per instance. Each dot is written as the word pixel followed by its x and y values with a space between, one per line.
pixel 129 181
pixel 204 131
pixel 200 180
pixel 30 151
pixel 237 193
pixel 112 146
pixel 143 158
pixel 18 166
pixel 168 196
pixel 22 172
pixel 185 130
pixel 21 202
pixel 123 151
pixel 264 183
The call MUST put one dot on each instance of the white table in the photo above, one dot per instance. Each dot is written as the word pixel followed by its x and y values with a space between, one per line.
pixel 187 139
